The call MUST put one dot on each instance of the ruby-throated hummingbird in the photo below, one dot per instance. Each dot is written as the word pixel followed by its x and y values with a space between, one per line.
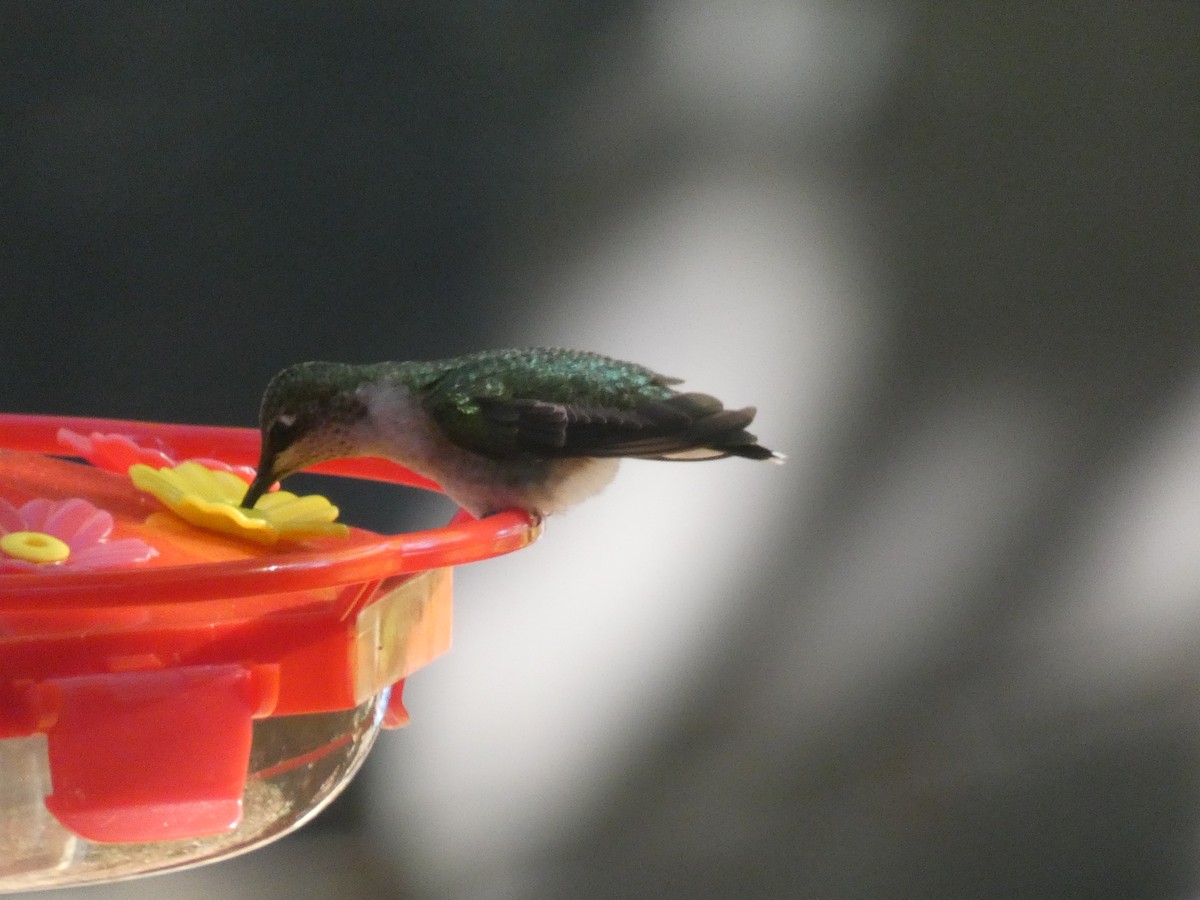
pixel 538 430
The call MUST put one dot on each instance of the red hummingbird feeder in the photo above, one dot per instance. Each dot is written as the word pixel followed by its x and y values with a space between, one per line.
pixel 172 694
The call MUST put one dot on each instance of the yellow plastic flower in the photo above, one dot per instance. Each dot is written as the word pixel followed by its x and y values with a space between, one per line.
pixel 211 499
pixel 34 547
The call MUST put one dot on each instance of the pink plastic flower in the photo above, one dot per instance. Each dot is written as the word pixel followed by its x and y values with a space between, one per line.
pixel 117 452
pixel 51 534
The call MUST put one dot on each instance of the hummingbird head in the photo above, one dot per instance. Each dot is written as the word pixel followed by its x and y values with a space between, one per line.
pixel 310 413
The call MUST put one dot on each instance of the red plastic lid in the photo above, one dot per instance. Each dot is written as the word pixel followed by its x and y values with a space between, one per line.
pixel 241 569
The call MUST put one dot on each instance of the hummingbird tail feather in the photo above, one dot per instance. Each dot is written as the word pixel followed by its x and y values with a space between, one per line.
pixel 697 427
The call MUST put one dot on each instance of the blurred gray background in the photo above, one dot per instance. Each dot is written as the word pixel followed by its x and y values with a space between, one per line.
pixel 951 650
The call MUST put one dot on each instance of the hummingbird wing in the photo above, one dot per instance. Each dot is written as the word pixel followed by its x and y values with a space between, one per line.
pixel 681 426
pixel 563 403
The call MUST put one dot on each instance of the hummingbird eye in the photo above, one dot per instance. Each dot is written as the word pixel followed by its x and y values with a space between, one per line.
pixel 283 430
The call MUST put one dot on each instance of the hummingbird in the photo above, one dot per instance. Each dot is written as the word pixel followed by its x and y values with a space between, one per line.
pixel 538 430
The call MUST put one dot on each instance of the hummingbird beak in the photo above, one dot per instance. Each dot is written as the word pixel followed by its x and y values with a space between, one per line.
pixel 263 479
pixel 261 484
